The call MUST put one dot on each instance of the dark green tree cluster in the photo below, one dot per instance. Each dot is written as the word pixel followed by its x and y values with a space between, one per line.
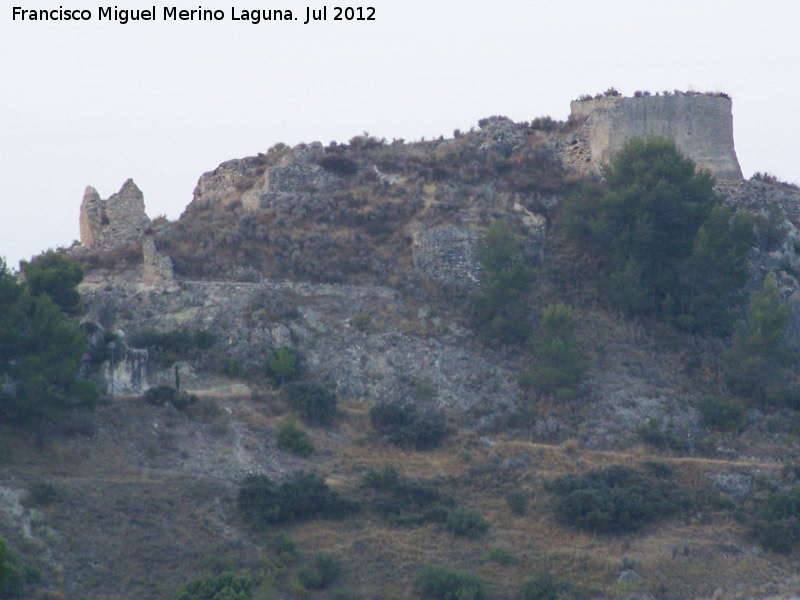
pixel 302 496
pixel 56 276
pixel 667 245
pixel 40 347
pixel 757 363
pixel 559 365
pixel 615 500
pixel 501 310
pixel 313 401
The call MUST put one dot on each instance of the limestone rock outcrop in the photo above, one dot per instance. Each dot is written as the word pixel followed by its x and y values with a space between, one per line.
pixel 445 253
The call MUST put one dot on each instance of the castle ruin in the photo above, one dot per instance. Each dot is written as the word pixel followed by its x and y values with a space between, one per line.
pixel 701 125
pixel 113 222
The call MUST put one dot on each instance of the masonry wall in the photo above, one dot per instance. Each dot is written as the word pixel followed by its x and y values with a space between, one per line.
pixel 116 221
pixel 701 126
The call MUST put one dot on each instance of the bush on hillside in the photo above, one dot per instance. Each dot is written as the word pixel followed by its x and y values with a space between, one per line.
pixel 615 500
pixel 283 365
pixel 435 582
pixel 226 586
pixel 777 521
pixel 721 413
pixel 314 402
pixel 160 395
pixel 326 569
pixel 302 496
pixel 293 439
pixel 167 347
pixel 5 568
pixel 517 501
pixel 464 522
pixel 500 309
pixel 405 501
pixel 558 365
pixel 758 360
pixel 544 586
pixel 404 425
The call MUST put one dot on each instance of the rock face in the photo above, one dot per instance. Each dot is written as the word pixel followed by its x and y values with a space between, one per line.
pixel 445 254
pixel 129 375
pixel 227 181
pixel 354 336
pixel 116 221
pixel 156 268
pixel 701 125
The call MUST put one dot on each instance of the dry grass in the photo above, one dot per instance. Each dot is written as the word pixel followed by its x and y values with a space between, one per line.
pixel 129 525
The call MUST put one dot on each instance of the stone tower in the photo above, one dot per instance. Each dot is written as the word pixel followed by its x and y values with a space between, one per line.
pixel 701 125
pixel 116 221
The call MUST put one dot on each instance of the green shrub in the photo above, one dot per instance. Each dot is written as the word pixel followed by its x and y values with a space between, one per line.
pixel 464 522
pixel 543 586
pixel 5 568
pixel 777 521
pixel 615 500
pixel 500 310
pixel 662 434
pixel 227 586
pixel 559 365
pixel 42 493
pixel 517 501
pixel 326 570
pixel 423 389
pixel 283 365
pixel 167 347
pixel 404 425
pixel 283 545
pixel 406 501
pixel 383 478
pixel 160 395
pixel 502 556
pixel 757 362
pixel 182 400
pixel 721 413
pixel 338 164
pixel 302 496
pixel 293 439
pixel 436 582
pixel 315 403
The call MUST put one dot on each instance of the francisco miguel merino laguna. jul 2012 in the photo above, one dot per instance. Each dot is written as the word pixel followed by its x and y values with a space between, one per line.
pixel 173 13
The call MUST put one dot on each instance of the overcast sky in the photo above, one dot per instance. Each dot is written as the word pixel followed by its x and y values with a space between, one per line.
pixel 94 103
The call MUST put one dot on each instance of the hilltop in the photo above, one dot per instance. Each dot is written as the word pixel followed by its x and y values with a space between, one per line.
pixel 364 271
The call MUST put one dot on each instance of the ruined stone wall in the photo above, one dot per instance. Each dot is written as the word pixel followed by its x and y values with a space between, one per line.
pixel 116 221
pixel 156 268
pixel 701 125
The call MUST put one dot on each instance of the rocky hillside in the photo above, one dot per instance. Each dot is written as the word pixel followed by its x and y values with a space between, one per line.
pixel 355 268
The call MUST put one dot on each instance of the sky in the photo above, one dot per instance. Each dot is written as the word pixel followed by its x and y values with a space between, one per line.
pixel 162 101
